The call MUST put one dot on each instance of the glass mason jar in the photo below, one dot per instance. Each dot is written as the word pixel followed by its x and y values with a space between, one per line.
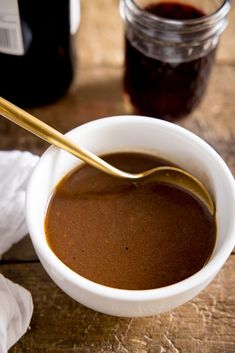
pixel 169 51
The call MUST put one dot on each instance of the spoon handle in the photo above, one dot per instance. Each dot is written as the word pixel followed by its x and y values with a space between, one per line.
pixel 54 137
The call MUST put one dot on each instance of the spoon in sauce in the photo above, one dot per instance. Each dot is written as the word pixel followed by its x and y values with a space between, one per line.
pixel 167 174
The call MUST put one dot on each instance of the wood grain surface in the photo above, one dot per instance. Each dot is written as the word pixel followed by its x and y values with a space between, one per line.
pixel 204 325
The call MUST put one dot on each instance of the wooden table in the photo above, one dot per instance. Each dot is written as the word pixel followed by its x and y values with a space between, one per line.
pixel 204 325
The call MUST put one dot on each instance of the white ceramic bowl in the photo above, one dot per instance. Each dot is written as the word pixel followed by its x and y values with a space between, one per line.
pixel 139 134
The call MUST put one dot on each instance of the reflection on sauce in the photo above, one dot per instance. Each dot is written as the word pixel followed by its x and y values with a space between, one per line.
pixel 129 235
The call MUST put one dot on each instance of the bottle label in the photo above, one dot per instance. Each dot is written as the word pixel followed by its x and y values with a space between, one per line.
pixel 74 15
pixel 11 39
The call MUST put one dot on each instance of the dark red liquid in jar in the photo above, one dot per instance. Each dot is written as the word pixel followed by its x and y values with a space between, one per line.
pixel 164 89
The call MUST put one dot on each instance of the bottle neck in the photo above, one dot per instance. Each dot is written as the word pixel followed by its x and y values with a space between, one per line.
pixel 173 40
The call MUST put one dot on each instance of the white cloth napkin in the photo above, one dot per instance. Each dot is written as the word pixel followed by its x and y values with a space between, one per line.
pixel 15 170
pixel 16 306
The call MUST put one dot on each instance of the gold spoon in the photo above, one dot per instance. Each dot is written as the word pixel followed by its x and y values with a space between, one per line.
pixel 168 174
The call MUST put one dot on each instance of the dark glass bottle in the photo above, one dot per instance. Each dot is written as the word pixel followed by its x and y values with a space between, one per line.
pixel 45 70
pixel 169 51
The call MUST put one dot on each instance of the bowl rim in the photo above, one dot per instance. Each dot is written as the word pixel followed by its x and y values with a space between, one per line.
pixel 202 276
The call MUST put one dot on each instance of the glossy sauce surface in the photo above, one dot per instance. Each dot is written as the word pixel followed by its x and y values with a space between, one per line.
pixel 128 235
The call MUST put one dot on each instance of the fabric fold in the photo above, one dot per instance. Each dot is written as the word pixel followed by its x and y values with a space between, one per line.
pixel 16 305
pixel 15 170
pixel 16 308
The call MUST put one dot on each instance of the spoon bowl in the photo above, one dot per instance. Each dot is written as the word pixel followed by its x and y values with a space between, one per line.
pixel 167 174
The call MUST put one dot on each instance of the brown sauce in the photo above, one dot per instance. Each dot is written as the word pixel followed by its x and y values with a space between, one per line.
pixel 128 235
